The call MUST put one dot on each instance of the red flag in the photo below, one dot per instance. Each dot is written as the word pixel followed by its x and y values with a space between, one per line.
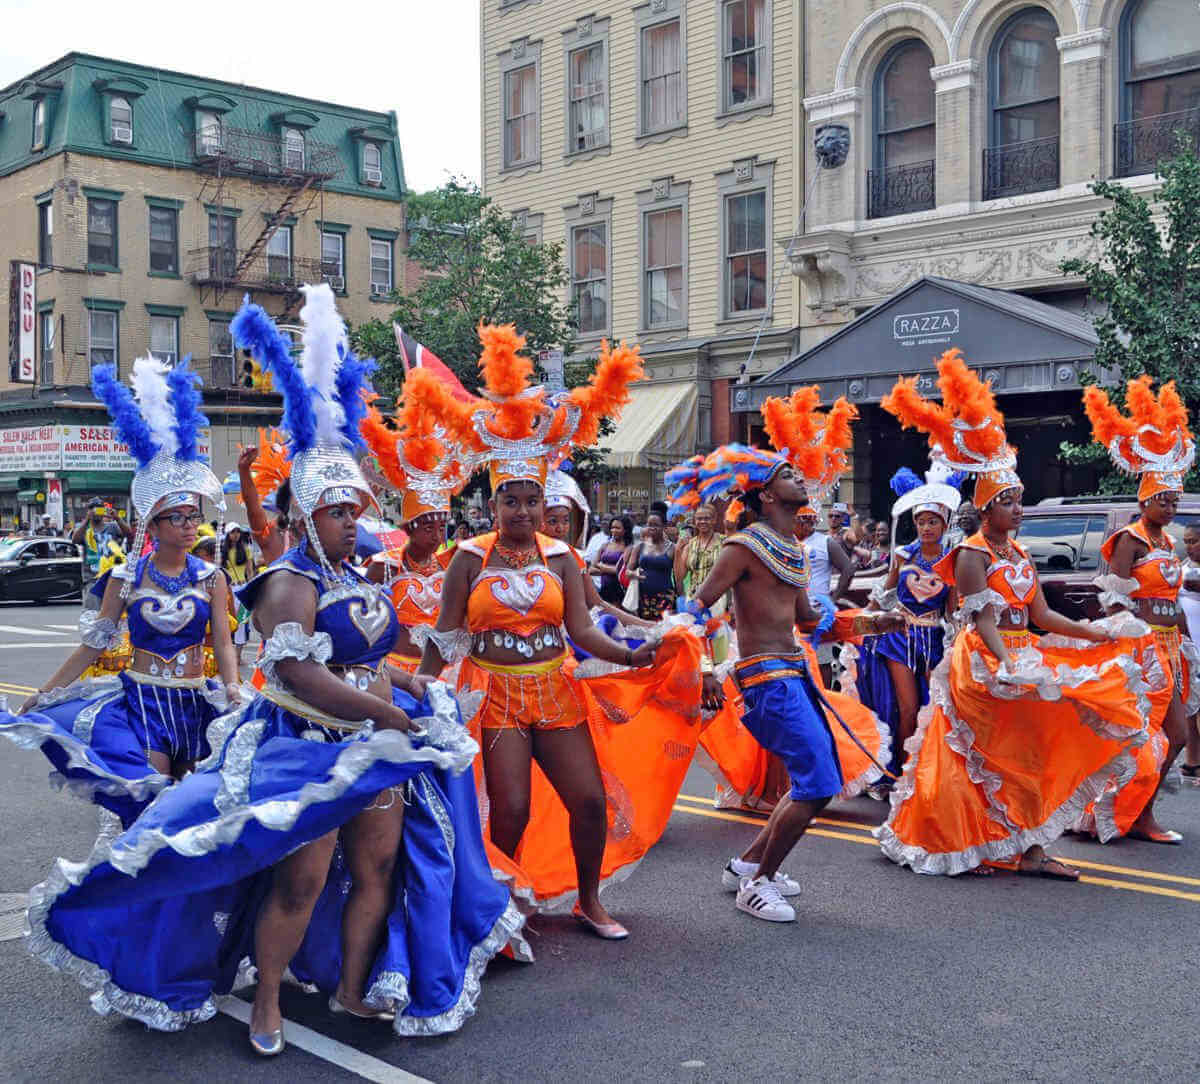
pixel 414 355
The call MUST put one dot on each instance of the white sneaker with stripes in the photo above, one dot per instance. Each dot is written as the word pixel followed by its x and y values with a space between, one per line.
pixel 761 898
pixel 736 871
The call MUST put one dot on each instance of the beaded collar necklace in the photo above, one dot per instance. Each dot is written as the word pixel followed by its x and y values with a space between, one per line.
pixel 171 585
pixel 784 557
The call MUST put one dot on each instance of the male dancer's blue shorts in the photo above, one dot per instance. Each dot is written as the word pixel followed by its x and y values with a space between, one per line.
pixel 784 715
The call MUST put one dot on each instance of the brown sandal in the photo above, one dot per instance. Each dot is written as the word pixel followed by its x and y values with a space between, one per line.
pixel 1040 869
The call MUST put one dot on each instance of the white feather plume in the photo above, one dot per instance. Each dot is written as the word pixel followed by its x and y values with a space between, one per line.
pixel 937 473
pixel 324 330
pixel 149 382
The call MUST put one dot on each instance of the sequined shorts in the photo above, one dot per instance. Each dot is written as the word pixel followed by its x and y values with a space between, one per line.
pixel 534 696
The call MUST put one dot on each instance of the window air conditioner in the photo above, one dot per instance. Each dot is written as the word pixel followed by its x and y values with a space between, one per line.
pixel 121 134
pixel 373 176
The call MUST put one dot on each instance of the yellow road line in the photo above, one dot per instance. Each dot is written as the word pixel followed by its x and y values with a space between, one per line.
pixel 8 687
pixel 1130 886
pixel 1126 871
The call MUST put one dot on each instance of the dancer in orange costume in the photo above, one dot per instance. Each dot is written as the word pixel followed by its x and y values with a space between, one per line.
pixel 263 471
pixel 815 443
pixel 1144 578
pixel 1021 731
pixel 427 469
pixel 576 787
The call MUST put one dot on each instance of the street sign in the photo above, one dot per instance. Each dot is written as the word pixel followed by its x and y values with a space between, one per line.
pixel 551 362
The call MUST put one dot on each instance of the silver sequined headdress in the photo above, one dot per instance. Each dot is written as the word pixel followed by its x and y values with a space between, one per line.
pixel 322 402
pixel 160 422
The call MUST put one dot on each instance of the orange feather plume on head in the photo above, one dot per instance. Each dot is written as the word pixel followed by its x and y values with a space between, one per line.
pixel 506 372
pixel 815 443
pixel 1157 424
pixel 425 404
pixel 605 393
pixel 965 399
pixel 383 444
pixel 272 467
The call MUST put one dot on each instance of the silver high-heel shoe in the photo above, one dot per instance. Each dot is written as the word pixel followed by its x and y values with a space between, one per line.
pixel 268 1043
pixel 336 1007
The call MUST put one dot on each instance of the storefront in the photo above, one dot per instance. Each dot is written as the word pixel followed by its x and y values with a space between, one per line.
pixel 1033 354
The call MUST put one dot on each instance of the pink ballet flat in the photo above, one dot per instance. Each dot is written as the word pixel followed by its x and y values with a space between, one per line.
pixel 610 931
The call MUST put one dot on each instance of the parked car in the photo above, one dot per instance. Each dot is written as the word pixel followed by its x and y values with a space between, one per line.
pixel 1063 536
pixel 40 570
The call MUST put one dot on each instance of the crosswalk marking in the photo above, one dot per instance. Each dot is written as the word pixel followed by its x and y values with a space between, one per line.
pixel 26 631
pixel 69 628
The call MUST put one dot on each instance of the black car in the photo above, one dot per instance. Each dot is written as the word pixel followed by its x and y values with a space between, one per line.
pixel 40 570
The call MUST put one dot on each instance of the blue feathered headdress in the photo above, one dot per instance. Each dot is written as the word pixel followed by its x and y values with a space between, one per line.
pixel 905 480
pixel 736 468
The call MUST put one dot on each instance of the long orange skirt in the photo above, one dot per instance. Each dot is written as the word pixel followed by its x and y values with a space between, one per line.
pixel 996 768
pixel 1166 669
pixel 644 724
pixel 750 777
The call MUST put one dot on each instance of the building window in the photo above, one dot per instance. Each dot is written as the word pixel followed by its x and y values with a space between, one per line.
pixel 164 338
pixel 902 179
pixel 588 98
pixel 208 132
pixel 102 337
pixel 663 94
pixel 45 234
pixel 102 232
pixel 746 252
pixel 372 162
pixel 1022 155
pixel 333 260
pixel 39 124
pixel 46 345
pixel 746 53
pixel 164 240
pixel 381 266
pixel 222 245
pixel 520 116
pixel 120 120
pixel 293 149
pixel 1160 68
pixel 279 255
pixel 664 275
pixel 589 277
pixel 220 351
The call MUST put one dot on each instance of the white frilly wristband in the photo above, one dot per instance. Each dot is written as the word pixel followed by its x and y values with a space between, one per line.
pixel 289 641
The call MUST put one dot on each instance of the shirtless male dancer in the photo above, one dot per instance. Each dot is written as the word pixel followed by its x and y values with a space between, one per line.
pixel 765 568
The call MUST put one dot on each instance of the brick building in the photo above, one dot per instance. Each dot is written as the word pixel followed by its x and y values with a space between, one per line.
pixel 149 203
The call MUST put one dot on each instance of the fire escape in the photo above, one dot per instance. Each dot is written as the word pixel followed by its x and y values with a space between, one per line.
pixel 292 175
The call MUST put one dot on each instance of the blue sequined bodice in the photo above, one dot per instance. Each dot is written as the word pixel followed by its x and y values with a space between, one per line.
pixel 919 589
pixel 357 615
pixel 162 622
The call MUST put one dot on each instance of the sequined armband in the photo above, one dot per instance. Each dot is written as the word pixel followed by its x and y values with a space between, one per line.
pixel 96 631
pixel 980 600
pixel 1116 591
pixel 451 644
pixel 289 641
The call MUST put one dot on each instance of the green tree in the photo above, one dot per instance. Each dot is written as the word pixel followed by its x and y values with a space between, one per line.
pixel 1146 284
pixel 477 265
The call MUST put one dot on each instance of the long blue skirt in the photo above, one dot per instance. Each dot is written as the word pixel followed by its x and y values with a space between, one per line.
pixel 162 917
pixel 97 732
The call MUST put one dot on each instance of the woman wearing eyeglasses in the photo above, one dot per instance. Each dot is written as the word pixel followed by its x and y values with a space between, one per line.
pixel 119 738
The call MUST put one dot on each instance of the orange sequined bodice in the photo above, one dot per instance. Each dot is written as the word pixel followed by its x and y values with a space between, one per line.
pixel 519 600
pixel 1014 580
pixel 417 596
pixel 1158 572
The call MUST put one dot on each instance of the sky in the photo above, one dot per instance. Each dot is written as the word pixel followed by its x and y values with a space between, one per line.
pixel 417 58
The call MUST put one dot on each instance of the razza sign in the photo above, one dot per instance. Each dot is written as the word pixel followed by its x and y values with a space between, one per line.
pixel 921 328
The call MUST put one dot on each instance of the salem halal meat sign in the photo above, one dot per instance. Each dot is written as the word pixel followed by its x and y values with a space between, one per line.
pixel 925 328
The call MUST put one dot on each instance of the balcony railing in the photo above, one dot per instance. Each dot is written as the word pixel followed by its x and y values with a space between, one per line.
pixel 1139 145
pixel 215 265
pixel 900 189
pixel 1031 166
pixel 263 155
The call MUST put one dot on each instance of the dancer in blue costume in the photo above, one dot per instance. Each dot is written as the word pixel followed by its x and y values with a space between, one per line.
pixel 292 845
pixel 891 672
pixel 119 738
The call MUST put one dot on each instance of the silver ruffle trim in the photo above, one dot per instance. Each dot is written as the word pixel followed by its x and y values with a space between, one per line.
pixel 96 631
pixel 1116 591
pixel 289 641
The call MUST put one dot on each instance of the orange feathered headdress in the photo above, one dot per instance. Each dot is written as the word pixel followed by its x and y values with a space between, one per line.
pixel 1153 440
pixel 417 457
pixel 815 443
pixel 272 467
pixel 966 433
pixel 520 429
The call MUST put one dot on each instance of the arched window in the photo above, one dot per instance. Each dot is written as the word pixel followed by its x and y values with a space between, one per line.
pixel 905 133
pixel 1022 155
pixel 1160 70
pixel 120 119
pixel 372 162
pixel 293 149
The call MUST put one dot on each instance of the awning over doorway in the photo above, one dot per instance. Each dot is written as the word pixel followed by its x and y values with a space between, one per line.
pixel 657 428
pixel 1018 343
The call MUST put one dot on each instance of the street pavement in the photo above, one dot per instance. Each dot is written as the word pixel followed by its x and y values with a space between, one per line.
pixel 885 975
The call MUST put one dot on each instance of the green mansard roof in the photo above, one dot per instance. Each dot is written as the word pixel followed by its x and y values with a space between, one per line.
pixel 75 88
